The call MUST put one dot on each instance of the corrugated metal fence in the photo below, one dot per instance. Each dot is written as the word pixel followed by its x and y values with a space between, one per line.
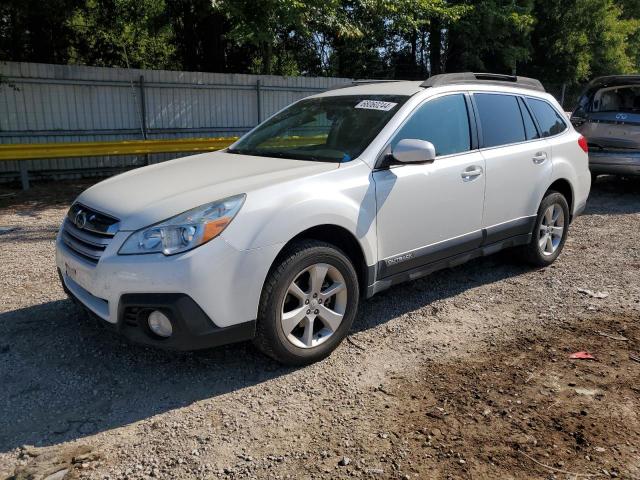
pixel 42 103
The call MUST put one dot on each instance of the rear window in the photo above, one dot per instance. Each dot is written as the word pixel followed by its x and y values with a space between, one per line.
pixel 623 98
pixel 529 124
pixel 500 119
pixel 549 120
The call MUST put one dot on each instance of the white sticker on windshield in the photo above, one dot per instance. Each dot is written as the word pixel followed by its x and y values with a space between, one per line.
pixel 376 105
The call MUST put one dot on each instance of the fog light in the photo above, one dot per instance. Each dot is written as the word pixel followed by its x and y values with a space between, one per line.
pixel 160 324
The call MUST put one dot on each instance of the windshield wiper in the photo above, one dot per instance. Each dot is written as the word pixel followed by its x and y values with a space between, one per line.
pixel 277 154
pixel 236 151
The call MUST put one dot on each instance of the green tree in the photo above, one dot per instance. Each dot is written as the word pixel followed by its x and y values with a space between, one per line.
pixel 631 11
pixel 416 27
pixel 120 32
pixel 273 28
pixel 36 31
pixel 200 37
pixel 576 40
pixel 492 37
pixel 558 41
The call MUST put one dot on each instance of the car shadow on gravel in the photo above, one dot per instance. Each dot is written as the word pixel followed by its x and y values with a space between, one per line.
pixel 440 285
pixel 66 377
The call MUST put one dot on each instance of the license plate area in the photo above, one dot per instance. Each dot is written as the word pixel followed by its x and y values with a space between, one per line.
pixel 70 271
pixel 77 274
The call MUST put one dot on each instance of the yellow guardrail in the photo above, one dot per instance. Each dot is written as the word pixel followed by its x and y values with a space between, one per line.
pixel 34 151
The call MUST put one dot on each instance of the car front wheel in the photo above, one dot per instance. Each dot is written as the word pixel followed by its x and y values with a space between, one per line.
pixel 308 303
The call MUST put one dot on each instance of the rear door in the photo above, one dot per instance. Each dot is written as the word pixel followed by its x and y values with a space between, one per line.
pixel 518 164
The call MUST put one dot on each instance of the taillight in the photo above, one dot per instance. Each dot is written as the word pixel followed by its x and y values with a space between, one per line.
pixel 583 144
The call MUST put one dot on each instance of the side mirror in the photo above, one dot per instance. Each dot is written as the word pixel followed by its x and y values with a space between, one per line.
pixel 411 150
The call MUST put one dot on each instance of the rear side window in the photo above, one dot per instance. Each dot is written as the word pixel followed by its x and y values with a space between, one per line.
pixel 443 121
pixel 500 119
pixel 529 125
pixel 549 120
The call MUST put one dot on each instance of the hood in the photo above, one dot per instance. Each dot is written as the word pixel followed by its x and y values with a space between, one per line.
pixel 148 195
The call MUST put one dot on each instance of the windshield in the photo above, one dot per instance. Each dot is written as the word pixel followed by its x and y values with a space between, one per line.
pixel 327 129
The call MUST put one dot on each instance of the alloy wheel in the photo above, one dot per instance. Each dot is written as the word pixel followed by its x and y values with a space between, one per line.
pixel 551 229
pixel 314 305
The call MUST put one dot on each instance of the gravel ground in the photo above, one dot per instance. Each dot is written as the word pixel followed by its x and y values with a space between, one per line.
pixel 463 374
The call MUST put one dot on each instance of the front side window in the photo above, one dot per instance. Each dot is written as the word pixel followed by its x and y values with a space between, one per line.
pixel 500 119
pixel 327 129
pixel 550 121
pixel 443 121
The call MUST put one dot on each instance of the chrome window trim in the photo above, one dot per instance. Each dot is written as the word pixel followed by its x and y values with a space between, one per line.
pixel 524 97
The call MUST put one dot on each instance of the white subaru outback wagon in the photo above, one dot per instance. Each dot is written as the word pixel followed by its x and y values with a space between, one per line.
pixel 333 199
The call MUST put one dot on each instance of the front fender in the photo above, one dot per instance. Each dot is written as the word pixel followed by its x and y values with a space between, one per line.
pixel 344 197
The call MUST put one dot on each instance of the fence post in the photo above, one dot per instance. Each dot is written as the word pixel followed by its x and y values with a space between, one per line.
pixel 143 115
pixel 24 175
pixel 564 88
pixel 143 109
pixel 259 99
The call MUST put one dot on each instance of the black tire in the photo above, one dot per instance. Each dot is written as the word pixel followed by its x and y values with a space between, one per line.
pixel 532 253
pixel 270 336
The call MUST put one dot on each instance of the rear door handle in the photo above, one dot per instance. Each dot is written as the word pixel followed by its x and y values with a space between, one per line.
pixel 471 173
pixel 539 157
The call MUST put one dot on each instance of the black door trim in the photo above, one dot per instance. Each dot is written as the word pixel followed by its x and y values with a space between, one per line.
pixel 519 226
pixel 425 260
pixel 429 254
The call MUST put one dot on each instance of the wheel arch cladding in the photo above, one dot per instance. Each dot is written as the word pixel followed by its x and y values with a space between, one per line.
pixel 564 187
pixel 341 238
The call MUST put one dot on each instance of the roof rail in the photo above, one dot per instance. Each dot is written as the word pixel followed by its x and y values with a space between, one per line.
pixel 355 83
pixel 483 78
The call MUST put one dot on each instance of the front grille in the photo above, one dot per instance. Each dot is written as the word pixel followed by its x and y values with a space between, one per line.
pixel 87 233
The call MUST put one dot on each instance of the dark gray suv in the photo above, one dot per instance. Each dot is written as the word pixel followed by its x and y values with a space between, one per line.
pixel 608 115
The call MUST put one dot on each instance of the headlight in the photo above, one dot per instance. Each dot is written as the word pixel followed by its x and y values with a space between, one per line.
pixel 185 231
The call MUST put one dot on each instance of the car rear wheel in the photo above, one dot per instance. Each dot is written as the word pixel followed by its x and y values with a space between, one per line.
pixel 308 303
pixel 550 231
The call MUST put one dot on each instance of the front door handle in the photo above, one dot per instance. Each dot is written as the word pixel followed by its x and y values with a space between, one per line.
pixel 471 173
pixel 539 157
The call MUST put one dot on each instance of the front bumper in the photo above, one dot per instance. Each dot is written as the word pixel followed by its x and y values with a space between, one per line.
pixel 614 162
pixel 211 293
pixel 192 328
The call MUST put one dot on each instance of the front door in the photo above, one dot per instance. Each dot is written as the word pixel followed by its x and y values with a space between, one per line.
pixel 427 212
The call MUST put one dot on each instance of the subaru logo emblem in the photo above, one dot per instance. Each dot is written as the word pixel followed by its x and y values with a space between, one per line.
pixel 621 116
pixel 81 219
